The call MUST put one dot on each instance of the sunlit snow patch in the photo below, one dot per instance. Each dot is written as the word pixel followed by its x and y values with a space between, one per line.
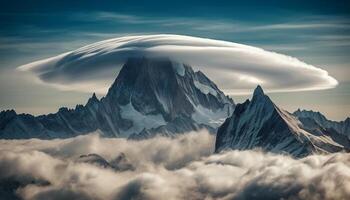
pixel 203 115
pixel 204 88
pixel 179 68
pixel 139 120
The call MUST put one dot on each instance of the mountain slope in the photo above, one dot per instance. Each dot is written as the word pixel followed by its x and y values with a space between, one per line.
pixel 259 123
pixel 149 96
pixel 342 127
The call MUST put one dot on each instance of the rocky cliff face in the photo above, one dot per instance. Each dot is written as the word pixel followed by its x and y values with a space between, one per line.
pixel 150 96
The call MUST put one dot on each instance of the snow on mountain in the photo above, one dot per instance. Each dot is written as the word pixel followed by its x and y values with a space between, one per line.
pixel 204 88
pixel 179 68
pixel 259 123
pixel 140 121
pixel 149 96
pixel 342 127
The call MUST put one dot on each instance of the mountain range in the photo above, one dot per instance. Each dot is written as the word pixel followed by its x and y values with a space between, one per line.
pixel 149 96
pixel 159 96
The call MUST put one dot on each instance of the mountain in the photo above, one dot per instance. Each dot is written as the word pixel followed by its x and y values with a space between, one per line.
pixel 120 163
pixel 259 123
pixel 150 96
pixel 342 127
pixel 94 159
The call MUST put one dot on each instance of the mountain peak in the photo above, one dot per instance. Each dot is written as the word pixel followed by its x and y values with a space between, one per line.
pixel 259 96
pixel 130 84
pixel 258 91
pixel 93 100
pixel 166 89
pixel 261 124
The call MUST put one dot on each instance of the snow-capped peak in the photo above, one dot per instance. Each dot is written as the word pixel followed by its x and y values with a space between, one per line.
pixel 261 124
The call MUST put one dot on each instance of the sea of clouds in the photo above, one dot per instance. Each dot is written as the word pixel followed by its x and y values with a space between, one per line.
pixel 235 68
pixel 177 168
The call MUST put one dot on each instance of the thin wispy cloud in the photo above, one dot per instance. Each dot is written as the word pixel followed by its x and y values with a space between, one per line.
pixel 224 25
pixel 301 25
pixel 240 29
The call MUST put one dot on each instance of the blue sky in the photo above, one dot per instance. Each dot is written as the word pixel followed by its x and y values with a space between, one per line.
pixel 317 32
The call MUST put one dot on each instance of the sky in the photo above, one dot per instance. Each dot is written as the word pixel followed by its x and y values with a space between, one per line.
pixel 315 32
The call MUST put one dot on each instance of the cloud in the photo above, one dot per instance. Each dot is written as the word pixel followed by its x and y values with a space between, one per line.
pixel 221 24
pixel 236 68
pixel 166 167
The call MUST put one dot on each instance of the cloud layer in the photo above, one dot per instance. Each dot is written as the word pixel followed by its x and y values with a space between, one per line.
pixel 165 167
pixel 236 68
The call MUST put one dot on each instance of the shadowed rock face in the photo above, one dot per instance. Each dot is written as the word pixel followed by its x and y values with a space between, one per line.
pixel 150 95
pixel 259 123
pixel 156 86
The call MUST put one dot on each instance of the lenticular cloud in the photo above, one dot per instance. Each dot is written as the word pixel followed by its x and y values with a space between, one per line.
pixel 236 68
